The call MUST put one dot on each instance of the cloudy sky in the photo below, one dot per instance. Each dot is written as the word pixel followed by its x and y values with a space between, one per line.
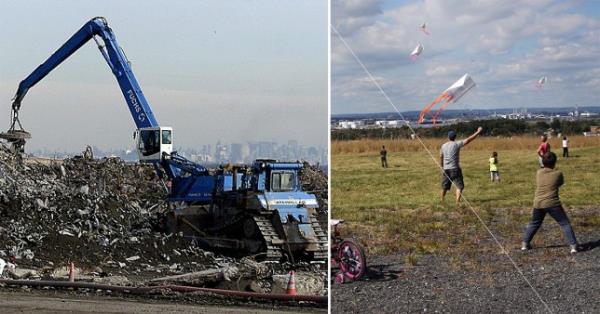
pixel 230 70
pixel 506 46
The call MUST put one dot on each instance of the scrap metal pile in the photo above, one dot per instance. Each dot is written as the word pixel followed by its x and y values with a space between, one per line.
pixel 91 212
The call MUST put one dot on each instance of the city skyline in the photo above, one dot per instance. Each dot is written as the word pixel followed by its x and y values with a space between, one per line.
pixel 218 152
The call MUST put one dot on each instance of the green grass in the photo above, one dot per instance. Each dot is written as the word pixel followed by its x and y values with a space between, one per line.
pixel 399 208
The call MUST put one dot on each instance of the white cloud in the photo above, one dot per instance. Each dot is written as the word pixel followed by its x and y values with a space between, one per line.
pixel 351 15
pixel 505 45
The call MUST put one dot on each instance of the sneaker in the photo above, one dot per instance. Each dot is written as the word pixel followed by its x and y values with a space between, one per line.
pixel 525 246
pixel 574 248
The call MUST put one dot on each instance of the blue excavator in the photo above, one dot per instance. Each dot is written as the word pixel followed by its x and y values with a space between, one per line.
pixel 259 209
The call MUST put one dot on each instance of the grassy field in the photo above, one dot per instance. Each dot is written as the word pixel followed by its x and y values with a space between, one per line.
pixel 399 208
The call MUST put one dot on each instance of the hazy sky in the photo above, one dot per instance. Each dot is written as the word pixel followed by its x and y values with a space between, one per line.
pixel 230 70
pixel 506 46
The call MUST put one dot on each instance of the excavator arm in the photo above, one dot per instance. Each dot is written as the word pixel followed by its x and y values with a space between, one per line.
pixel 191 181
pixel 97 29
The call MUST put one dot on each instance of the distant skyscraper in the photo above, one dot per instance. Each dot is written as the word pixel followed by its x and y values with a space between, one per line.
pixel 240 153
pixel 245 152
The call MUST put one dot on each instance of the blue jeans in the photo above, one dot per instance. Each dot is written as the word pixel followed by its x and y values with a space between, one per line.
pixel 558 213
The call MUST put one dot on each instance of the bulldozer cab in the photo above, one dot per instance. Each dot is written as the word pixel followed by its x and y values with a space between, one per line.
pixel 273 176
pixel 153 142
pixel 282 181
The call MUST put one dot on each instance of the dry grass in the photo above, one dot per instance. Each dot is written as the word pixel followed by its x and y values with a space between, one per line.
pixel 398 209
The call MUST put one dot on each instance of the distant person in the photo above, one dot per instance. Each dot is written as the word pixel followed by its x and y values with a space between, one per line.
pixel 383 155
pixel 543 148
pixel 494 174
pixel 449 160
pixel 565 146
pixel 547 201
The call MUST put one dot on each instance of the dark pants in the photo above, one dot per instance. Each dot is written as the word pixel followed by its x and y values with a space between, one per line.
pixel 452 176
pixel 565 152
pixel 384 162
pixel 558 213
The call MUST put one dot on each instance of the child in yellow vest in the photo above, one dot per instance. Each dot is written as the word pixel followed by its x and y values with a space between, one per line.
pixel 494 174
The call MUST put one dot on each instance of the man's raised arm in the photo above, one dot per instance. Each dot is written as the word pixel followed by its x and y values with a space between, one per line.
pixel 473 136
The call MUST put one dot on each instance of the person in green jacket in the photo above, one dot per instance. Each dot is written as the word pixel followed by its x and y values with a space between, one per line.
pixel 547 201
pixel 494 174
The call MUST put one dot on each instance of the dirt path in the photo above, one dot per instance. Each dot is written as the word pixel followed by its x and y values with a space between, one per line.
pixel 42 303
pixel 569 284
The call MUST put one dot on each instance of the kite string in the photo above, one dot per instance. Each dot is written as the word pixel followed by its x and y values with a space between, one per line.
pixel 441 168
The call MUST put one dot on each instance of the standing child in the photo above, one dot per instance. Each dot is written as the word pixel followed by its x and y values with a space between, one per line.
pixel 565 145
pixel 543 149
pixel 494 174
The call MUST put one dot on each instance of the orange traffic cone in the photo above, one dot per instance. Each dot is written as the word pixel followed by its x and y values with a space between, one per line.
pixel 291 287
pixel 72 272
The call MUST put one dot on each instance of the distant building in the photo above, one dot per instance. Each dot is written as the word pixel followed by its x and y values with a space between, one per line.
pixel 594 131
pixel 201 158
pixel 389 123
pixel 351 124
pixel 221 153
pixel 266 149
pixel 240 153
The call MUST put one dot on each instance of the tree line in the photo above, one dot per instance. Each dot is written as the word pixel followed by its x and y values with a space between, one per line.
pixel 496 127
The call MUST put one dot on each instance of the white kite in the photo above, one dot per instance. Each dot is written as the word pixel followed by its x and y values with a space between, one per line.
pixel 416 52
pixel 424 28
pixel 450 95
pixel 540 83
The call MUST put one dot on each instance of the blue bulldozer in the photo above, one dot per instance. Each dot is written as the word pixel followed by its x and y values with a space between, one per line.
pixel 258 209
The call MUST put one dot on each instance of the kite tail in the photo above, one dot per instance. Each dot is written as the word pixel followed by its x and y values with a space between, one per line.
pixel 439 111
pixel 425 31
pixel 413 58
pixel 427 109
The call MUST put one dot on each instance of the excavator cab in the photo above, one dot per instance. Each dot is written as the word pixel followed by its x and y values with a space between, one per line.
pixel 152 142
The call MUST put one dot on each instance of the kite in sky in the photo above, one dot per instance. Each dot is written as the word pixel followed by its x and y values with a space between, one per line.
pixel 450 95
pixel 416 52
pixel 424 28
pixel 540 83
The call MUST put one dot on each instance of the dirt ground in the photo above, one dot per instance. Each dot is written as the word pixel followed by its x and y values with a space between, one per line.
pixel 43 302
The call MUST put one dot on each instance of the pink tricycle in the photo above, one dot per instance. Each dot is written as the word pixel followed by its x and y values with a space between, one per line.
pixel 346 254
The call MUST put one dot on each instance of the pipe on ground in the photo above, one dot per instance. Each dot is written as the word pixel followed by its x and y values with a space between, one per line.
pixel 176 288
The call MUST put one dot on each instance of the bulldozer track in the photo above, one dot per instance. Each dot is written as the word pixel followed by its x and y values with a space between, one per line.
pixel 272 240
pixel 322 239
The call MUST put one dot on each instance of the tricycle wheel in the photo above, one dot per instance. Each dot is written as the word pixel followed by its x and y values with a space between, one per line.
pixel 351 259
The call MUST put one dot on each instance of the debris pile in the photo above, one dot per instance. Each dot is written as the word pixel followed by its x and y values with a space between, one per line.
pixel 93 212
pixel 314 180
pixel 106 216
